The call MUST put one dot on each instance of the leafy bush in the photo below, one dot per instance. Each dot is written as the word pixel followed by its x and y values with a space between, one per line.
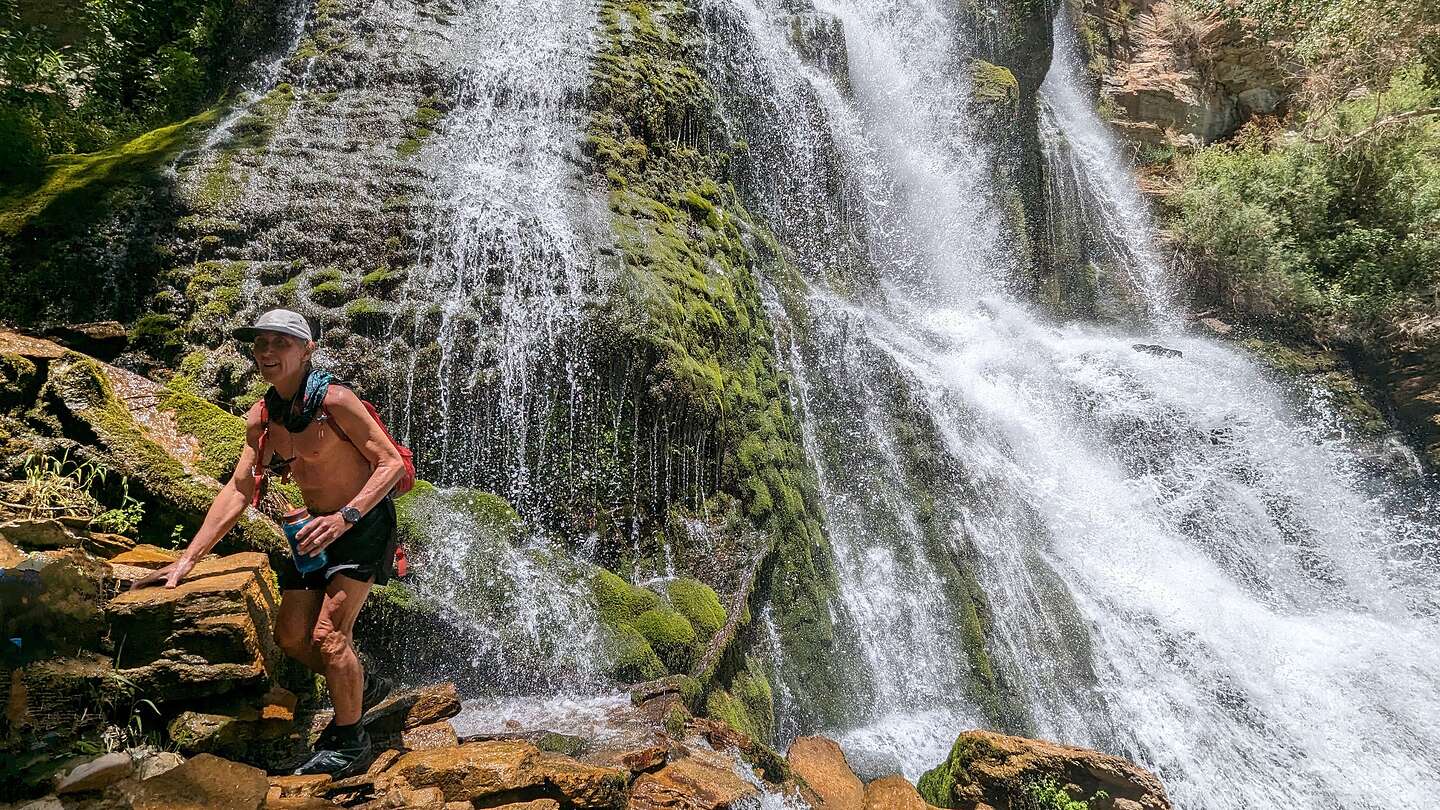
pixel 78 75
pixel 1345 223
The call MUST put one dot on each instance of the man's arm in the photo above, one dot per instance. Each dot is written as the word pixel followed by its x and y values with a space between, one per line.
pixel 224 511
pixel 386 467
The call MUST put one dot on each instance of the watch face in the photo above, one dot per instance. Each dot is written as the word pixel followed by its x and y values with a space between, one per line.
pixel 351 514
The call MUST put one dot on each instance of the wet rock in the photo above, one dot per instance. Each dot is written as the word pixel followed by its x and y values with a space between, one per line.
pixel 582 785
pixel 211 635
pixel 105 340
pixel 1157 350
pixel 414 708
pixel 468 772
pixel 988 768
pixel 433 735
pixel 821 763
pixel 39 533
pixel 893 793
pixel 204 782
pixel 106 544
pixel 695 780
pixel 145 555
pixel 96 774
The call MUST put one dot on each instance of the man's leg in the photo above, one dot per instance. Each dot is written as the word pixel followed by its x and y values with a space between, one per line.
pixel 294 627
pixel 344 676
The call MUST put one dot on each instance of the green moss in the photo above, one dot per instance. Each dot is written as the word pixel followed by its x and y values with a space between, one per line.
pixel 671 636
pixel 993 84
pixel 75 184
pixel 692 258
pixel 408 147
pixel 382 281
pixel 172 494
pixel 329 294
pixel 1330 375
pixel 938 785
pixel 221 435
pixel 629 657
pixel 699 603
pixel 618 601
pixel 159 334
pixel 492 514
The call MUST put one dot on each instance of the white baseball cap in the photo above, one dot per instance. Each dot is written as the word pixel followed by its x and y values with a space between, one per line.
pixel 284 321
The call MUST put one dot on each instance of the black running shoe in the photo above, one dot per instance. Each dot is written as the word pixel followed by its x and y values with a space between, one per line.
pixel 376 689
pixel 340 757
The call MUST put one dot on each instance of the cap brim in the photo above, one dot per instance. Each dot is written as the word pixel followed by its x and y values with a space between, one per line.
pixel 246 334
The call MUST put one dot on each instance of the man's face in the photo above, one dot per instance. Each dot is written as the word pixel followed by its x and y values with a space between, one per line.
pixel 279 356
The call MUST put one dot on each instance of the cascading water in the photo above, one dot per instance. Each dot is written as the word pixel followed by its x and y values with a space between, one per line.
pixel 508 270
pixel 1098 218
pixel 1182 564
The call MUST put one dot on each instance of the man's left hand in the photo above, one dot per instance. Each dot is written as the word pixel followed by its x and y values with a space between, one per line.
pixel 320 532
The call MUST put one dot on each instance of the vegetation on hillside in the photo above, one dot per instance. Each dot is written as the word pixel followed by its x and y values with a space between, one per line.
pixel 1330 218
pixel 79 76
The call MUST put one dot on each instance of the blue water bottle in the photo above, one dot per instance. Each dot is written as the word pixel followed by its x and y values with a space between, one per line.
pixel 292 523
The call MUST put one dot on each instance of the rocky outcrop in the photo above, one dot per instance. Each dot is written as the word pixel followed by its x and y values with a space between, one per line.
pixel 820 762
pixel 1169 75
pixel 989 770
pixel 171 447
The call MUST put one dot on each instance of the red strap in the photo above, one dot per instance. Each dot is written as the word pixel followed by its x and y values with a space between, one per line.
pixel 257 472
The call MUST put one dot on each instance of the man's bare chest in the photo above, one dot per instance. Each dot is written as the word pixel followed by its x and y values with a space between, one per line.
pixel 318 444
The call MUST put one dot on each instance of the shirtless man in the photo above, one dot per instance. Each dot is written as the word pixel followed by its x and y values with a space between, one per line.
pixel 345 467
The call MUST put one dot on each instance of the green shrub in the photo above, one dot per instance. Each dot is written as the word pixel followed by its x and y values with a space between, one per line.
pixel 1291 227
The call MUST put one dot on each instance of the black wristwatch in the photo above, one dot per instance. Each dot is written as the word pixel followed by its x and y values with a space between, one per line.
pixel 351 515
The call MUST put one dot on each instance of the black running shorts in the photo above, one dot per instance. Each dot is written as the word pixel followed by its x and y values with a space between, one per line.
pixel 366 551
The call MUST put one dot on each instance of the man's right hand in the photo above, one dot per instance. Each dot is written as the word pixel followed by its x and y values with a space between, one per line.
pixel 170 575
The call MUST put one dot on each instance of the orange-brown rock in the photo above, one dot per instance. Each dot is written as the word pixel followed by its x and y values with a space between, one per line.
pixel 434 735
pixel 414 708
pixel 692 780
pixel 10 556
pixel 985 768
pixel 145 556
pixel 471 771
pixel 583 786
pixel 203 782
pixel 821 763
pixel 210 635
pixel 289 787
pixel 893 793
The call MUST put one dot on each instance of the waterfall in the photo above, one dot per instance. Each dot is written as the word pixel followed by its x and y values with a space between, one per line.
pixel 1098 218
pixel 1181 563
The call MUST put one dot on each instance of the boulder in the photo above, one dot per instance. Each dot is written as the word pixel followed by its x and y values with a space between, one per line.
pixel 290 787
pixel 998 770
pixel 694 780
pixel 471 771
pixel 204 782
pixel 145 555
pixel 39 533
pixel 156 763
pixel 211 635
pixel 96 774
pixel 821 763
pixel 893 793
pixel 414 708
pixel 243 729
pixel 583 786
pixel 433 735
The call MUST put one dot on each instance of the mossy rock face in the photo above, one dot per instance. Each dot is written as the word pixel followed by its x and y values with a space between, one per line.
pixel 938 785
pixel 698 603
pixel 994 84
pixel 492 514
pixel 173 493
pixel 671 636
pixel 618 601
pixel 629 657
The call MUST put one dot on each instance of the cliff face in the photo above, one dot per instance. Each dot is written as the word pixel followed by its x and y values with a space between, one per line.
pixel 1170 77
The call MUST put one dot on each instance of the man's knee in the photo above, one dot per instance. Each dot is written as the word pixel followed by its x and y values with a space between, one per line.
pixel 294 640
